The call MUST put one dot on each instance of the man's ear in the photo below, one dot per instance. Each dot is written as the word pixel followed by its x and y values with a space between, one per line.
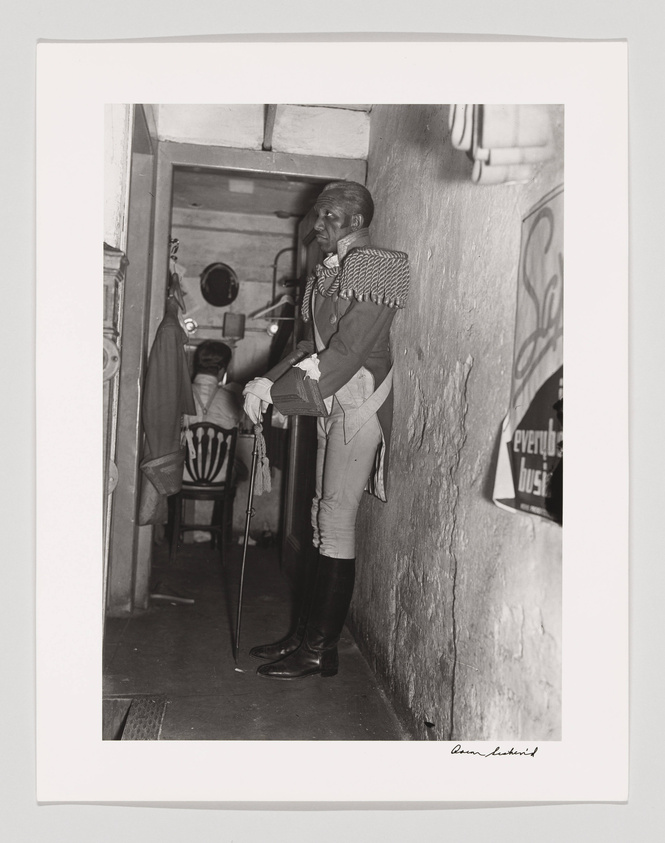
pixel 357 222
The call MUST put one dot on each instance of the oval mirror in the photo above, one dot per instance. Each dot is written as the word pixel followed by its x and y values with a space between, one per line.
pixel 219 284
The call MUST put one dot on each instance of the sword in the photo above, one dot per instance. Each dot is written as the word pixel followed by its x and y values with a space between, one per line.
pixel 257 430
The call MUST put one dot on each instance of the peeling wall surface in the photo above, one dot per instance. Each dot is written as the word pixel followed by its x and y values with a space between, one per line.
pixel 118 122
pixel 458 603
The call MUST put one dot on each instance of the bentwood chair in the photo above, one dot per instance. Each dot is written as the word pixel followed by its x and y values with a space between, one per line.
pixel 209 459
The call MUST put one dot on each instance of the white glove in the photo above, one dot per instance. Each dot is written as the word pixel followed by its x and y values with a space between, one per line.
pixel 257 398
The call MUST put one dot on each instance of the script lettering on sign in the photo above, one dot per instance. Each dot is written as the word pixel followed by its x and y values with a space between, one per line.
pixel 531 439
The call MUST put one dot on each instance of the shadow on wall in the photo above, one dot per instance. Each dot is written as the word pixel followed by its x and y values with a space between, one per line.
pixel 488 485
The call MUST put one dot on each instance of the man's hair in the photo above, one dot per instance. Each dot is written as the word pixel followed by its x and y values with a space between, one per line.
pixel 211 356
pixel 355 198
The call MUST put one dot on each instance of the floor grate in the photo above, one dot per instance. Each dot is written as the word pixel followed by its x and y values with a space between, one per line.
pixel 144 718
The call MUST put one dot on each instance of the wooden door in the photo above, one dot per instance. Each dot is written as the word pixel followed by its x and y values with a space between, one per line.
pixel 297 547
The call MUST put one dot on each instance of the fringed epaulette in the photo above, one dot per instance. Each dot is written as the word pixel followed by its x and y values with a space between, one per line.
pixel 316 278
pixel 380 275
pixel 367 273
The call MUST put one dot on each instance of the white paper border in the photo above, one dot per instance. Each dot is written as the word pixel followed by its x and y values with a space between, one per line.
pixel 74 83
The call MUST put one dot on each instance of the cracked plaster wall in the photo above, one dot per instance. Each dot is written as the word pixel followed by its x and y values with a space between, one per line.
pixel 457 604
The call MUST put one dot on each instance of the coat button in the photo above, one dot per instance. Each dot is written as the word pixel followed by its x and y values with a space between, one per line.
pixel 333 318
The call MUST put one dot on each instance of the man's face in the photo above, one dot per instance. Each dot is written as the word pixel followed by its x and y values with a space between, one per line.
pixel 332 222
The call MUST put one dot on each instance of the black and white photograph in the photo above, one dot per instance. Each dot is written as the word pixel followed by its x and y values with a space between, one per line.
pixel 333 405
pixel 324 520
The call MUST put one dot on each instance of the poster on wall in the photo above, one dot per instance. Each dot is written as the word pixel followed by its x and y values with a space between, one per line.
pixel 530 463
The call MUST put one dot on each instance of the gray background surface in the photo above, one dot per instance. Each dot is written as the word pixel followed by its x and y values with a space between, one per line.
pixel 641 22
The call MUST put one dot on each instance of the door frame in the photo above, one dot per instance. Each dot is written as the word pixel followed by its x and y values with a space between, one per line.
pixel 172 155
pixel 131 578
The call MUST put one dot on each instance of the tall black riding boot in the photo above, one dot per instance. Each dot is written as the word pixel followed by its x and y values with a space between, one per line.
pixel 291 642
pixel 330 604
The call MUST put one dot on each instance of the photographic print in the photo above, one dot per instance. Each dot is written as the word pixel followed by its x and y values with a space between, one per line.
pixel 457 627
pixel 330 463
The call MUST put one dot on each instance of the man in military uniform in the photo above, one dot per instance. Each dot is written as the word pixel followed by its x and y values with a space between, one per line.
pixel 341 373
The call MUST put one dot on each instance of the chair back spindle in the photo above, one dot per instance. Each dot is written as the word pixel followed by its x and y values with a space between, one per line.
pixel 211 445
pixel 209 460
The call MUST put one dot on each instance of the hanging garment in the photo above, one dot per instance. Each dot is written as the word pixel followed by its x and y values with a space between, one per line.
pixel 167 396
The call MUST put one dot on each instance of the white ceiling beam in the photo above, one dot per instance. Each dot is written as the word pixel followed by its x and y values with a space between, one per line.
pixel 250 161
